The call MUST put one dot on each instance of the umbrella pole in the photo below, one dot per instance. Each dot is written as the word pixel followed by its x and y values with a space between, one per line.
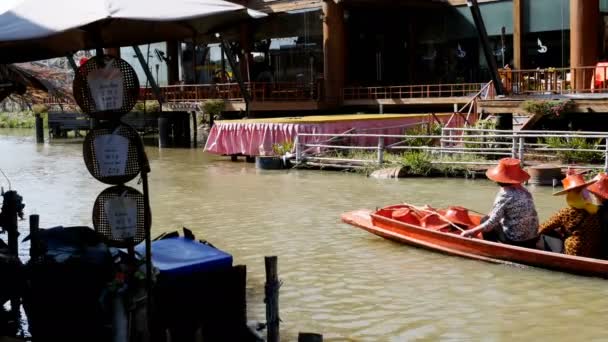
pixel 148 241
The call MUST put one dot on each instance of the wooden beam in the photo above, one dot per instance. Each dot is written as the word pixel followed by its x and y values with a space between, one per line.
pixel 278 6
pixel 517 34
pixel 464 2
pixel 409 101
pixel 112 52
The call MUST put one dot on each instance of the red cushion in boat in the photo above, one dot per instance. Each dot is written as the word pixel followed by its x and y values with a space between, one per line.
pixel 406 215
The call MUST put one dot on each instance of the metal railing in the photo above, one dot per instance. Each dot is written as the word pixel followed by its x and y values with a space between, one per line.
pixel 486 143
pixel 411 91
pixel 259 91
pixel 458 118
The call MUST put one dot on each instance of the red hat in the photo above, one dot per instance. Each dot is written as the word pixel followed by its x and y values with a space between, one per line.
pixel 600 187
pixel 406 215
pixel 574 181
pixel 508 171
pixel 434 222
pixel 459 215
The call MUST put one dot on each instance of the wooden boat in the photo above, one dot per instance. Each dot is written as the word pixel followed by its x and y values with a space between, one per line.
pixel 474 248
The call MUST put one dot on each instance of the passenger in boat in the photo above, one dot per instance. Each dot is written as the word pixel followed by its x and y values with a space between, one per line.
pixel 578 224
pixel 600 190
pixel 513 218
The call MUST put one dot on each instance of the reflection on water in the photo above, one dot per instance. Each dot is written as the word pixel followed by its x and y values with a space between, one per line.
pixel 339 281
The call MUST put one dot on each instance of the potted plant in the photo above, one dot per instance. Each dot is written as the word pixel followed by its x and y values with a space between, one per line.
pixel 278 159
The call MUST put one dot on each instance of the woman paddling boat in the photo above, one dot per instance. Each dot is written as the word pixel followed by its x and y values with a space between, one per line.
pixel 513 219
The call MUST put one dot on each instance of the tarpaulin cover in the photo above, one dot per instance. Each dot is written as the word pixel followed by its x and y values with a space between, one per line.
pixel 257 137
pixel 181 256
pixel 39 29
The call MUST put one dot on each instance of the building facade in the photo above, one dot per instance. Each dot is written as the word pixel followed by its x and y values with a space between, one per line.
pixel 323 46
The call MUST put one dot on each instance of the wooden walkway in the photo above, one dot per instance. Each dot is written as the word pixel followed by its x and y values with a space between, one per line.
pixel 60 123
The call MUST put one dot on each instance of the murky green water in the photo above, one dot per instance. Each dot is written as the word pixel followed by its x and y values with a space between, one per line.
pixel 338 281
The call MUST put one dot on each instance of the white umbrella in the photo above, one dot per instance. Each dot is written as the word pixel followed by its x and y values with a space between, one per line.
pixel 40 29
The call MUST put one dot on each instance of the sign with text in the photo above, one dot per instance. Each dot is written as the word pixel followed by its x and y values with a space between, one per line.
pixel 111 152
pixel 121 213
pixel 106 87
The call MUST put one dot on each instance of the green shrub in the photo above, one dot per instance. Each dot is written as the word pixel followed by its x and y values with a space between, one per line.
pixel 417 163
pixel 485 124
pixel 457 169
pixel 281 149
pixel 434 129
pixel 574 155
pixel 214 108
pixel 482 124
pixel 150 106
pixel 40 109
pixel 551 109
pixel 17 120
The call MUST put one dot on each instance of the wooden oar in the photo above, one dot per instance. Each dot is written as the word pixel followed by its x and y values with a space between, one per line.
pixel 436 213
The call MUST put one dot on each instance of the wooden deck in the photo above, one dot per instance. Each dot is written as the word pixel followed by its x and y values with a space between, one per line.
pixel 514 104
pixel 268 97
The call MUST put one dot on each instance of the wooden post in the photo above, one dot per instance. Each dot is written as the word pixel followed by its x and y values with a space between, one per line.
pixel 380 150
pixel 12 208
pixel 194 129
pixel 10 211
pixel 272 299
pixel 185 123
pixel 584 46
pixel 34 238
pixel 39 129
pixel 517 34
pixel 164 131
pixel 334 46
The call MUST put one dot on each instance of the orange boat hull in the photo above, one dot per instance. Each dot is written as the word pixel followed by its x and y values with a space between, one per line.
pixel 473 248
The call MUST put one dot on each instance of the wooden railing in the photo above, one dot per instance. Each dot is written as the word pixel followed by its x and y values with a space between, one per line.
pixel 412 91
pixel 555 80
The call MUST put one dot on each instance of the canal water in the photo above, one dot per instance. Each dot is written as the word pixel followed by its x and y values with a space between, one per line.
pixel 338 280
